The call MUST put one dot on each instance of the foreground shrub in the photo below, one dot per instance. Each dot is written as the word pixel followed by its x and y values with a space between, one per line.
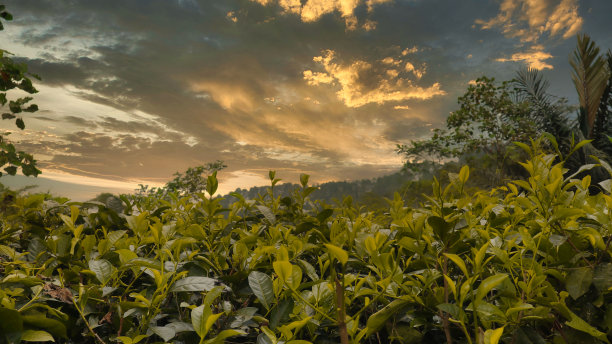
pixel 529 262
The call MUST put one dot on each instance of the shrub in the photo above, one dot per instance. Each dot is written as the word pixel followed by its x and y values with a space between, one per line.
pixel 528 262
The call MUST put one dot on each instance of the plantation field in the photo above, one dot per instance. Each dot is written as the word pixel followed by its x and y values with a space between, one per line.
pixel 528 262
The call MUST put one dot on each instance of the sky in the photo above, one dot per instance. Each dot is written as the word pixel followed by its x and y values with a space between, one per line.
pixel 132 91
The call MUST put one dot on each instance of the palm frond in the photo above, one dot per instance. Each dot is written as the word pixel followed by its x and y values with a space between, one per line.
pixel 590 77
pixel 530 84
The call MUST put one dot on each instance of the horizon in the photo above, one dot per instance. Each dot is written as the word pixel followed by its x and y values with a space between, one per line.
pixel 135 91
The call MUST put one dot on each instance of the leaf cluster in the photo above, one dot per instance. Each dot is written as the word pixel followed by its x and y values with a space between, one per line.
pixel 15 76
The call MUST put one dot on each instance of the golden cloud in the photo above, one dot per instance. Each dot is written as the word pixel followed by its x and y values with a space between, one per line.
pixel 312 10
pixel 535 59
pixel 360 83
pixel 229 96
pixel 528 20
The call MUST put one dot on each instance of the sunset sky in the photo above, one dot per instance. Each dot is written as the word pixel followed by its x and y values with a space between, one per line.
pixel 133 91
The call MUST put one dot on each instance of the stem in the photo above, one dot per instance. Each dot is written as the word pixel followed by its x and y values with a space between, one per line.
pixel 86 322
pixel 299 296
pixel 32 300
pixel 445 323
pixel 340 308
pixel 120 323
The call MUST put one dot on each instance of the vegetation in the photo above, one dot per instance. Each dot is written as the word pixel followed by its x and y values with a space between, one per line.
pixel 192 181
pixel 15 76
pixel 492 116
pixel 528 262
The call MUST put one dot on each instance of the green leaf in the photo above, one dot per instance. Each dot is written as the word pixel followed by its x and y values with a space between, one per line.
pixel 11 325
pixel 199 315
pixel 479 257
pixel 578 146
pixel 20 124
pixel 377 320
pixel 519 308
pixel 220 338
pixel 267 213
pixel 324 215
pixel 459 262
pixel 488 284
pixel 125 340
pixel 581 325
pixel 602 277
pixel 103 269
pixel 304 179
pixel 464 174
pixel 281 313
pixel 296 277
pixel 451 309
pixel 212 295
pixel 114 236
pixel 493 336
pixel 524 147
pixel 212 184
pixel 11 170
pixel 578 281
pixel 194 283
pixel 36 336
pixel 55 327
pixel 143 262
pixel 165 332
pixel 262 287
pixel 338 253
pixel 264 338
pixel 283 270
pixel 527 335
pixel 440 227
pixel 309 269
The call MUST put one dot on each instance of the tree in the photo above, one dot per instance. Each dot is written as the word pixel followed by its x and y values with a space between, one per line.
pixel 194 179
pixel 15 76
pixel 548 112
pixel 190 182
pixel 603 123
pixel 590 76
pixel 491 116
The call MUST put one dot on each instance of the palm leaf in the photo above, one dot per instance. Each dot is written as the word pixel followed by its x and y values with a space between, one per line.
pixel 530 84
pixel 590 77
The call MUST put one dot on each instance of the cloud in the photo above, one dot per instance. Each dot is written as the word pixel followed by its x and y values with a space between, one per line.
pixel 313 10
pixel 534 21
pixel 360 82
pixel 534 59
pixel 529 20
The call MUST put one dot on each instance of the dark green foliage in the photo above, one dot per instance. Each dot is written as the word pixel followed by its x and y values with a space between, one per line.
pixel 371 193
pixel 603 122
pixel 490 118
pixel 15 76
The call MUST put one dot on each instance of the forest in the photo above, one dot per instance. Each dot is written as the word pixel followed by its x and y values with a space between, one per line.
pixel 497 230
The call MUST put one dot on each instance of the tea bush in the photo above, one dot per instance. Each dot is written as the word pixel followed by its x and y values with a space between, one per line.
pixel 529 262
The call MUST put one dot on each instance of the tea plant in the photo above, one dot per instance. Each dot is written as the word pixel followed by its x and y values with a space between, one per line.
pixel 529 262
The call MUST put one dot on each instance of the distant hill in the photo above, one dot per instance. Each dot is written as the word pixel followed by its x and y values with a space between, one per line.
pixel 370 192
